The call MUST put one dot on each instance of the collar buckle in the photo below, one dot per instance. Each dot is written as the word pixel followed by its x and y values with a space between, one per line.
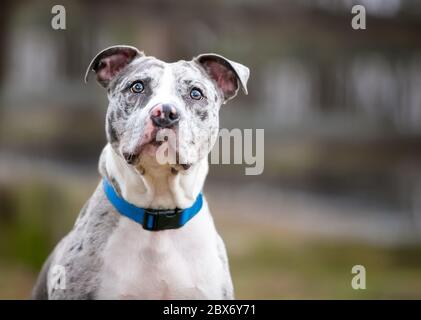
pixel 161 219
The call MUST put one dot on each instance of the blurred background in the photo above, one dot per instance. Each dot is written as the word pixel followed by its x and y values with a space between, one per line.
pixel 341 111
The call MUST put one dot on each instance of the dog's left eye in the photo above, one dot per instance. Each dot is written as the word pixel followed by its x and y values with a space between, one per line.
pixel 137 87
pixel 196 94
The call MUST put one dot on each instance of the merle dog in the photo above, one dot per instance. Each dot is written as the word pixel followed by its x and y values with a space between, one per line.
pixel 146 232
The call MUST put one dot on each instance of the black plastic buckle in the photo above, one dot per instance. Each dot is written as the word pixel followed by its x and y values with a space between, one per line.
pixel 157 219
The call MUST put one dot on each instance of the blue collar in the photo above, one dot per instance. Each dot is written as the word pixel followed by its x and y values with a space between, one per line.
pixel 152 219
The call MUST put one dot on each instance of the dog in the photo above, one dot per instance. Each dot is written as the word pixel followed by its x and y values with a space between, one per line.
pixel 146 232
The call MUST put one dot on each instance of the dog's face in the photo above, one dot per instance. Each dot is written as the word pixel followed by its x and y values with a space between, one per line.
pixel 159 109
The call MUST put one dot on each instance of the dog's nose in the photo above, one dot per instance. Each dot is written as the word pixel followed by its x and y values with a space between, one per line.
pixel 165 115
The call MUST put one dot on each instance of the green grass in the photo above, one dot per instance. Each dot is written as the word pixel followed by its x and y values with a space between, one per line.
pixel 273 264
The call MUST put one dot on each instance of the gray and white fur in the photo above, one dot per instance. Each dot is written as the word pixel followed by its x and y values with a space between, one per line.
pixel 108 256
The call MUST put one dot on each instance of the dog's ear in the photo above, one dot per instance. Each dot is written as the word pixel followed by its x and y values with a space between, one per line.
pixel 111 61
pixel 228 75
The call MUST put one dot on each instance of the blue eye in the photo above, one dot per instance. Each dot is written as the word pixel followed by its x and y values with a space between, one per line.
pixel 196 94
pixel 137 87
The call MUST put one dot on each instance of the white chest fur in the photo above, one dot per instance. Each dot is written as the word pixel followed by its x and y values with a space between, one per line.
pixel 171 264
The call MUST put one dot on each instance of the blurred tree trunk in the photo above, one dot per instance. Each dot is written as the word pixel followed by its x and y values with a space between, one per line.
pixel 5 12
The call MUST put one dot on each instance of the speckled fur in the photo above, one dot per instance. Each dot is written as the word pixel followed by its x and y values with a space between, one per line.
pixel 106 255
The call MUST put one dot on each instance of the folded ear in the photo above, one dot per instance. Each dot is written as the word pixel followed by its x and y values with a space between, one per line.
pixel 110 61
pixel 227 74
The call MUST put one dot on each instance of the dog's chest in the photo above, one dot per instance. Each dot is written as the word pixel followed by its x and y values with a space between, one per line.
pixel 172 264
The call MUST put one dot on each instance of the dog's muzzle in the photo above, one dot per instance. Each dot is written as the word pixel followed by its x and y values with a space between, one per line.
pixel 165 115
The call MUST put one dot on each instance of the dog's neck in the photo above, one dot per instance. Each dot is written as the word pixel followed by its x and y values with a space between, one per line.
pixel 159 188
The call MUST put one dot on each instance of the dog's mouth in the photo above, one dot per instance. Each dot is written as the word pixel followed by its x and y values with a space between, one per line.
pixel 150 144
pixel 158 136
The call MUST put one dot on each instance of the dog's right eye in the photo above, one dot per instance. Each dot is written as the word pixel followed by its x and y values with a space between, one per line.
pixel 196 94
pixel 137 87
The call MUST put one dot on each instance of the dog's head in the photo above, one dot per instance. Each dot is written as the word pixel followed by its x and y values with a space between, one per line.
pixel 158 109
